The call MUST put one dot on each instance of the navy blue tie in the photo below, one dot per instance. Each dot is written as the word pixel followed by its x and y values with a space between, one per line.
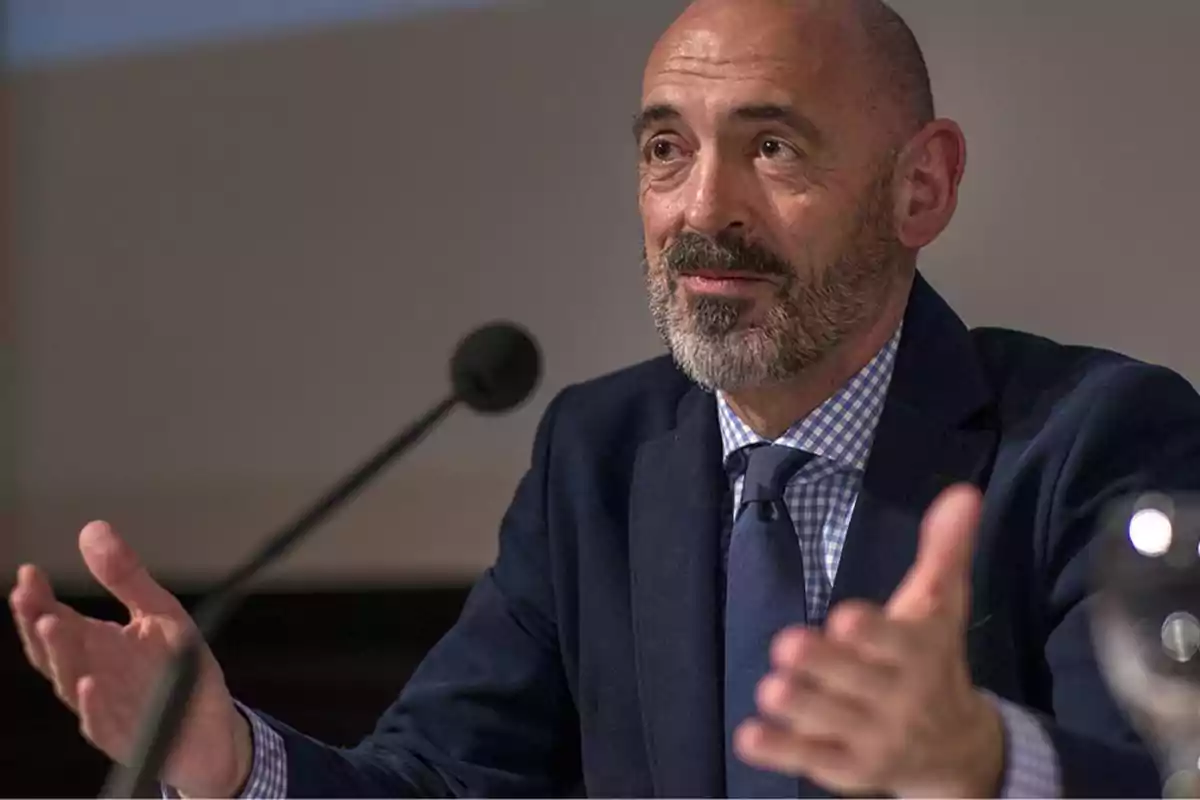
pixel 764 594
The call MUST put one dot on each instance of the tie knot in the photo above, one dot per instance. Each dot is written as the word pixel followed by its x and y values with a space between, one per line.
pixel 768 470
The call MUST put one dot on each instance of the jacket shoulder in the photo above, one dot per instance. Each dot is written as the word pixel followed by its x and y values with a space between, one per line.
pixel 1029 373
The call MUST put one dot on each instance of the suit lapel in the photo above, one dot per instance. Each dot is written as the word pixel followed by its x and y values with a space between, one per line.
pixel 675 532
pixel 935 431
pixel 910 465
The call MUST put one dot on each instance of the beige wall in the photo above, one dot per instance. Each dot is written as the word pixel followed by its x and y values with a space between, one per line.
pixel 242 267
pixel 8 422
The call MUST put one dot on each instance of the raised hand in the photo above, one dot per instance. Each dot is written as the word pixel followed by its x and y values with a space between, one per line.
pixel 882 701
pixel 106 672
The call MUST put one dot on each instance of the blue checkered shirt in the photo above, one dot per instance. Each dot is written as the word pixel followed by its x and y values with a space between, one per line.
pixel 821 499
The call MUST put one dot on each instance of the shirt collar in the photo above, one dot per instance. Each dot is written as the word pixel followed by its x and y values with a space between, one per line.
pixel 841 429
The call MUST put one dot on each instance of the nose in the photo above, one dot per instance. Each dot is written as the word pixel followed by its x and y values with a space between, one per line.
pixel 717 198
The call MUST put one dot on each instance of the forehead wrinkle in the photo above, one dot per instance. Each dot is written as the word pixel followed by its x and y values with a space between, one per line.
pixel 692 62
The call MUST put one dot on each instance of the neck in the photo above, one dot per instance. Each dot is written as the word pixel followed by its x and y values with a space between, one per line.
pixel 770 410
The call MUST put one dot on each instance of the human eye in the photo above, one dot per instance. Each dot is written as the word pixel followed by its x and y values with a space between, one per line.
pixel 662 150
pixel 773 148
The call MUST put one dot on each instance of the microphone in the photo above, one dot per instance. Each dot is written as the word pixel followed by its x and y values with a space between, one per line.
pixel 493 370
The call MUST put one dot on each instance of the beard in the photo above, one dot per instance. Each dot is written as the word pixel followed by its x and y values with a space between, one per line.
pixel 817 306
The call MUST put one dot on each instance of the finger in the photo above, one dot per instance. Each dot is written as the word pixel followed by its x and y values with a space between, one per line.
pixel 62 635
pixel 811 711
pixel 770 747
pixel 25 611
pixel 124 709
pixel 834 666
pixel 117 568
pixel 867 631
pixel 97 722
pixel 30 599
pixel 939 581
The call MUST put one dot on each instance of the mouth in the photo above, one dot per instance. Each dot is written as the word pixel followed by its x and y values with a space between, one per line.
pixel 725 283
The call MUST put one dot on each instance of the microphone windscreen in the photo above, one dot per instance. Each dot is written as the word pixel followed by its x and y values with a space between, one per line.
pixel 496 367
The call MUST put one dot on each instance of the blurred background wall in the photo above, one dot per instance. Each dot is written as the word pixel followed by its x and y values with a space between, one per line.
pixel 8 452
pixel 241 238
pixel 242 264
pixel 241 258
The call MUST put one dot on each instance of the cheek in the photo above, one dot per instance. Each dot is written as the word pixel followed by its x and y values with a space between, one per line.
pixel 661 211
pixel 656 223
pixel 652 262
pixel 809 231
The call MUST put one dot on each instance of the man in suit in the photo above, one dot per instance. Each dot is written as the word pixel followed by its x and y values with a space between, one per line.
pixel 835 542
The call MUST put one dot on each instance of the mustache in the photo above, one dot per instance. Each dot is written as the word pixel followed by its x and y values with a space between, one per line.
pixel 693 252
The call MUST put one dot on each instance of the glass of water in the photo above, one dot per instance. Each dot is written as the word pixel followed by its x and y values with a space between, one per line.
pixel 1146 625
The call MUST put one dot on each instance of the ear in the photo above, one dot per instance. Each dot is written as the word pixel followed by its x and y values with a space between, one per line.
pixel 928 173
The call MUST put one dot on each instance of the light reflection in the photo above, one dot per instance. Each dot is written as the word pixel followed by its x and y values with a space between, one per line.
pixel 1150 532
pixel 1181 636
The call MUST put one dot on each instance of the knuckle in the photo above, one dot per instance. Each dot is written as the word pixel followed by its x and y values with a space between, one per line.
pixel 847 619
pixel 850 620
pixel 773 695
pixel 764 694
pixel 789 647
pixel 46 627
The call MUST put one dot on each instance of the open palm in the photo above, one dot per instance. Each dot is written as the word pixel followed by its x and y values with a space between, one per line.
pixel 106 672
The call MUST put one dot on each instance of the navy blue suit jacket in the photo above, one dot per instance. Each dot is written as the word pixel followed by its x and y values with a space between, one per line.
pixel 588 657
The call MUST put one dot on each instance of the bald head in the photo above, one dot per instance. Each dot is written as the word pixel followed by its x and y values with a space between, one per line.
pixel 866 39
pixel 897 61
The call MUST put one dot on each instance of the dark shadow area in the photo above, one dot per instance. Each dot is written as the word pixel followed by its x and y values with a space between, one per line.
pixel 328 662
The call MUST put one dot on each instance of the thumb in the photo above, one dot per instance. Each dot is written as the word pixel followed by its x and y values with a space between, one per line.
pixel 939 581
pixel 117 568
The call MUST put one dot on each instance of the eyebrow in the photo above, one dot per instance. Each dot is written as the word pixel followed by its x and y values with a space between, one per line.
pixel 787 115
pixel 757 112
pixel 660 112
